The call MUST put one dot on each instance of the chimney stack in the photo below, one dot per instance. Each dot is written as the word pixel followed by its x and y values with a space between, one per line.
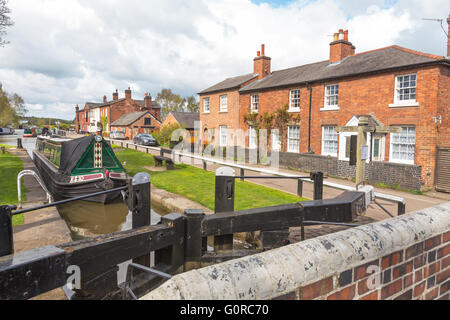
pixel 448 37
pixel 148 101
pixel 341 48
pixel 128 93
pixel 261 64
pixel 104 99
pixel 116 95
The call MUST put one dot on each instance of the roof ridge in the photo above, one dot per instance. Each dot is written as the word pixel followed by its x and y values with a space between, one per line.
pixel 394 46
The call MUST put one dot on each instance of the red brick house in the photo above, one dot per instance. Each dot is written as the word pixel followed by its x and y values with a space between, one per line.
pixel 392 85
pixel 136 122
pixel 86 119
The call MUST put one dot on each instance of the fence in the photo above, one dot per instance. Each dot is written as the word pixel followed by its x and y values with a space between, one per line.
pixel 401 203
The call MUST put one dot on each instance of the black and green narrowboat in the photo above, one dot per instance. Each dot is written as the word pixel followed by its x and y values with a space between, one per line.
pixel 77 167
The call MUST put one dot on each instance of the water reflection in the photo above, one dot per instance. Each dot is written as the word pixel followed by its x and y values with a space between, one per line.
pixel 90 219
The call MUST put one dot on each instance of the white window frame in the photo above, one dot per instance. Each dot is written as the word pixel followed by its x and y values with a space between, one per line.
pixel 254 101
pixel 382 138
pixel 223 136
pixel 397 92
pixel 297 147
pixel 327 106
pixel 294 98
pixel 406 142
pixel 204 105
pixel 252 138
pixel 327 138
pixel 276 140
pixel 223 103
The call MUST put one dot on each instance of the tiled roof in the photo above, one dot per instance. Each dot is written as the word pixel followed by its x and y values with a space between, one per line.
pixel 129 118
pixel 186 119
pixel 372 61
pixel 229 83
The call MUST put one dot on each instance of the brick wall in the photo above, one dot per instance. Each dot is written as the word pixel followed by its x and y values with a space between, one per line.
pixel 405 257
pixel 370 95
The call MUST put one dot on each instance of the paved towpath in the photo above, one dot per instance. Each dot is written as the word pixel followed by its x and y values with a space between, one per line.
pixel 41 228
pixel 374 213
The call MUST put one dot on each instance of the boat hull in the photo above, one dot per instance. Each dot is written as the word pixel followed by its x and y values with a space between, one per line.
pixel 60 188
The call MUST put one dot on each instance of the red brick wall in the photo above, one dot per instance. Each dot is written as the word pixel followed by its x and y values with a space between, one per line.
pixel 444 107
pixel 420 272
pixel 369 95
pixel 214 119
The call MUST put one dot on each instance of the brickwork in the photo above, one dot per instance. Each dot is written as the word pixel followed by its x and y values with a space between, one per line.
pixel 369 95
pixel 116 109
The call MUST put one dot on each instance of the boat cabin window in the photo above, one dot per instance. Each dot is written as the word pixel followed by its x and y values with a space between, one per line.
pixel 50 151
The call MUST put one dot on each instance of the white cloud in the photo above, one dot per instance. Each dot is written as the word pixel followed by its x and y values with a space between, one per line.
pixel 68 52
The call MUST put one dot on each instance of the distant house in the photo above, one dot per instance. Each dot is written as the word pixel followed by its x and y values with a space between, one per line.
pixel 137 122
pixel 86 119
pixel 186 120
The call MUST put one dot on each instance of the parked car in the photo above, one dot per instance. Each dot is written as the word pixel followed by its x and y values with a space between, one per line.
pixel 120 135
pixel 145 139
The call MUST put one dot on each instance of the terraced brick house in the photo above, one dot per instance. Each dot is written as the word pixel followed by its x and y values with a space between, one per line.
pixel 394 86
pixel 87 119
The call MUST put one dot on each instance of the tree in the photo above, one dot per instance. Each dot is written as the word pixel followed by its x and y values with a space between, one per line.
pixel 169 102
pixel 5 20
pixel 12 108
pixel 192 104
pixel 280 120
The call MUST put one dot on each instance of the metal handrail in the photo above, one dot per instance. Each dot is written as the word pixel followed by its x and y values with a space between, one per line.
pixel 36 176
pixel 69 200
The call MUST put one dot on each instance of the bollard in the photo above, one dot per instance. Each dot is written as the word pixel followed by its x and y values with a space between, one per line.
pixel 195 244
pixel 205 165
pixel 19 143
pixel 224 202
pixel 300 187
pixel 317 177
pixel 242 174
pixel 140 195
pixel 6 231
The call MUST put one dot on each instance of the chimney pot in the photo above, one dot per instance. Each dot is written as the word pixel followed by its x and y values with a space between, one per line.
pixel 258 53
pixel 263 47
pixel 341 48
pixel 116 95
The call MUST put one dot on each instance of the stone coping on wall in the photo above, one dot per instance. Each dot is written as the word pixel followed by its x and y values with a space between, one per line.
pixel 283 272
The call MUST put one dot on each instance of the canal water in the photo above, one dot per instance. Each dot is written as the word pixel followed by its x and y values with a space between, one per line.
pixel 88 219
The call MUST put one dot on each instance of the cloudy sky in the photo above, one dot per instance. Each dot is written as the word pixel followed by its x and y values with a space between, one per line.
pixel 67 52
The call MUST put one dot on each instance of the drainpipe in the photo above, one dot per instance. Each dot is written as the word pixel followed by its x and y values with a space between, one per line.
pixel 309 126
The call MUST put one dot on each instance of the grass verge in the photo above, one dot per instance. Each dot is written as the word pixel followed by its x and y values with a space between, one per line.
pixel 10 166
pixel 198 185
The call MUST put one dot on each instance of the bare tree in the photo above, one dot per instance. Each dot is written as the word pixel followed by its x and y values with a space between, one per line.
pixel 5 21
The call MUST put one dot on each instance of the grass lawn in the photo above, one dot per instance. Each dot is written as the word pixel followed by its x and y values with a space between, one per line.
pixel 198 185
pixel 10 166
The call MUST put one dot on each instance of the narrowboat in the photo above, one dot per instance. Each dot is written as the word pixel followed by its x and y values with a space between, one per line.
pixel 29 133
pixel 77 167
